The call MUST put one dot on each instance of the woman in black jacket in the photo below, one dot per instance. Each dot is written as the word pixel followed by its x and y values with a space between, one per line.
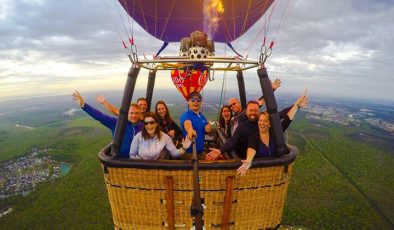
pixel 225 121
pixel 167 124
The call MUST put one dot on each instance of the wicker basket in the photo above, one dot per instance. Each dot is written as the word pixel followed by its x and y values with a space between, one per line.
pixel 158 194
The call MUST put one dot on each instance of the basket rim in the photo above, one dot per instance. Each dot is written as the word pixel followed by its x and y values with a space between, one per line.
pixel 116 162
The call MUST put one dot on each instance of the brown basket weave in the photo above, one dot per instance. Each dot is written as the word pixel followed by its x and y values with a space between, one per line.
pixel 158 194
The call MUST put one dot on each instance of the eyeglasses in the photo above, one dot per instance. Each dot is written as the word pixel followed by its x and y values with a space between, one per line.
pixel 195 99
pixel 150 122
pixel 232 104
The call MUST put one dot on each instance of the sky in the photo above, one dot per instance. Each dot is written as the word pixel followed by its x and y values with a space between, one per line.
pixel 336 49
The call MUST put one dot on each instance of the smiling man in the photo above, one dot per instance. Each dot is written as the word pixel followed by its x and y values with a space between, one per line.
pixel 239 114
pixel 133 126
pixel 239 140
pixel 194 124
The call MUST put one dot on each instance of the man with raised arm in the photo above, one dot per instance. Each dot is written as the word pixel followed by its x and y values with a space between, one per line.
pixel 239 115
pixel 141 102
pixel 133 126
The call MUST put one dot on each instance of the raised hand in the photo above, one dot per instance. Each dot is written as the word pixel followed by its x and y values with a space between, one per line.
pixel 78 98
pixel 303 101
pixel 100 99
pixel 276 84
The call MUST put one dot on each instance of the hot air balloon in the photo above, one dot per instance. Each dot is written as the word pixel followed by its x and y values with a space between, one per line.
pixel 173 194
pixel 172 20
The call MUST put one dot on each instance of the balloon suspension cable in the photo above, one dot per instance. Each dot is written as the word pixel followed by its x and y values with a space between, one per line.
pixel 223 91
pixel 116 28
pixel 222 94
pixel 121 18
pixel 264 27
pixel 265 52
pixel 130 23
pixel 165 44
pixel 132 50
pixel 232 48
pixel 282 20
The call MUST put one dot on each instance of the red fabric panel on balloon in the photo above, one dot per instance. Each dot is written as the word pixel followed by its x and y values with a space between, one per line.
pixel 189 81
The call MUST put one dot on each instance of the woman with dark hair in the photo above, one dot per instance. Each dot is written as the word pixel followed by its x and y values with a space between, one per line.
pixel 167 124
pixel 262 144
pixel 225 121
pixel 150 143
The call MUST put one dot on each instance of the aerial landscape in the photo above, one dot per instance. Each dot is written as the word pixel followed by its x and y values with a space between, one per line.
pixel 342 175
pixel 338 53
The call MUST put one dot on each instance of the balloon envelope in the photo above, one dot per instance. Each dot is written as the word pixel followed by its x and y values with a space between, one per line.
pixel 171 20
pixel 189 81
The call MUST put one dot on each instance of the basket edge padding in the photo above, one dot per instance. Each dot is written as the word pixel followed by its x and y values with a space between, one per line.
pixel 115 162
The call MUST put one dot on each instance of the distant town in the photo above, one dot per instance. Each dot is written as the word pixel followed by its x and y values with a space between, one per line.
pixel 345 117
pixel 22 175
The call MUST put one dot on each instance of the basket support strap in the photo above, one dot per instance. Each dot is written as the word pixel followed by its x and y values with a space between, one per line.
pixel 150 87
pixel 227 202
pixel 124 108
pixel 270 104
pixel 170 202
pixel 241 88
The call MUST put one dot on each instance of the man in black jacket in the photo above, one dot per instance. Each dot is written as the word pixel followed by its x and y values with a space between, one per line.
pixel 239 140
pixel 239 115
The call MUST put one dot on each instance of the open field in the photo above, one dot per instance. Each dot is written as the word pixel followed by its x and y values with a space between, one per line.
pixel 339 181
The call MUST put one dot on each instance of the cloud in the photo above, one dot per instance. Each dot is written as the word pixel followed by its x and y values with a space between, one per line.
pixel 322 45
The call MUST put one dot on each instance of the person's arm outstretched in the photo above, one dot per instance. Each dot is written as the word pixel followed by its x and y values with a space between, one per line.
pixel 247 162
pixel 111 108
pixel 276 84
pixel 189 130
pixel 301 102
pixel 79 99
pixel 104 119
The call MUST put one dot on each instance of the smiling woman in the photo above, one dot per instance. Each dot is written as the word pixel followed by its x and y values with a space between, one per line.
pixel 151 143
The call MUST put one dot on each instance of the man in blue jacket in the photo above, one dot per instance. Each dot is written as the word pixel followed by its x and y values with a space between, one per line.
pixel 133 126
pixel 194 124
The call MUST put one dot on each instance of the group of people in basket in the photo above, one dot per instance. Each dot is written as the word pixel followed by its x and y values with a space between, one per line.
pixel 155 135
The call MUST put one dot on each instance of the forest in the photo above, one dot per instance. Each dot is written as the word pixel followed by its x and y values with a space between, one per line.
pixel 337 182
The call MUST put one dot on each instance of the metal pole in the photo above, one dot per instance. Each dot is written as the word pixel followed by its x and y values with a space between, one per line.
pixel 196 209
pixel 149 89
pixel 272 110
pixel 124 108
pixel 241 88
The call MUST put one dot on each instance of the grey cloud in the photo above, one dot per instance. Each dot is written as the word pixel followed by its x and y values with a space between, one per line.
pixel 66 30
pixel 314 34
